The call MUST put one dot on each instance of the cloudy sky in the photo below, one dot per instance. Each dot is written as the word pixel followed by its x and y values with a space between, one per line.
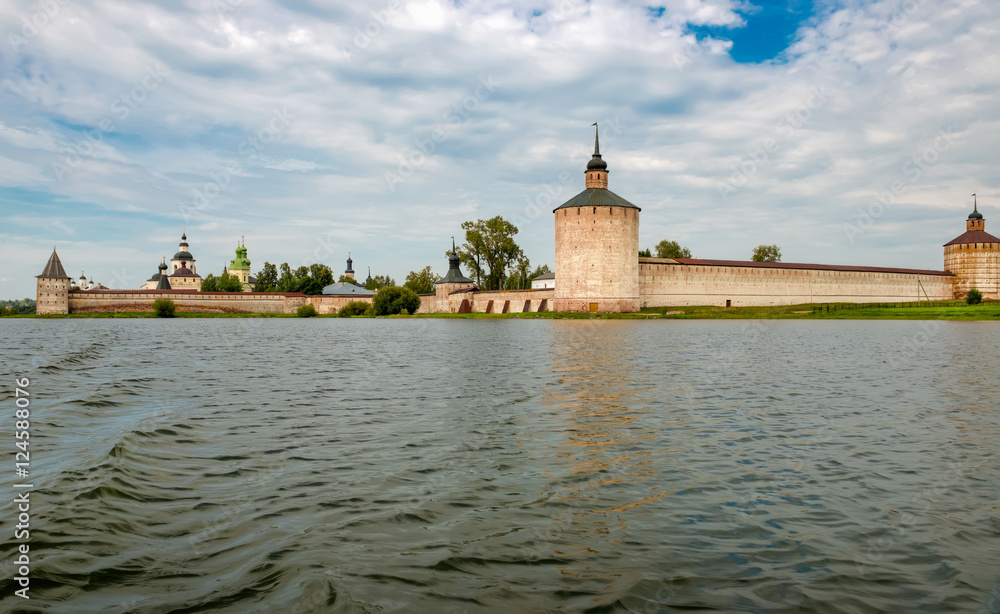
pixel 845 131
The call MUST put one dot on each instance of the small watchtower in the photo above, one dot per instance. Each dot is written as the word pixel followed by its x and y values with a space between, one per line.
pixel 52 288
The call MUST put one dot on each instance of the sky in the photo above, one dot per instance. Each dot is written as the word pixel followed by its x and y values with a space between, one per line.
pixel 844 131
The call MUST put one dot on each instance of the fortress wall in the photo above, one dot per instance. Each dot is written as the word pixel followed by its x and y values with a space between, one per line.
pixel 479 301
pixel 325 304
pixel 665 283
pixel 88 301
pixel 976 265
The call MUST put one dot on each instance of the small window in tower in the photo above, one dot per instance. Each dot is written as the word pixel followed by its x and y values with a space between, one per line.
pixel 595 209
pixel 578 210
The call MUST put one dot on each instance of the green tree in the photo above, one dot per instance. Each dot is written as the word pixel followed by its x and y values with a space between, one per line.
pixel 645 253
pixel 421 281
pixel 344 279
pixel 974 297
pixel 671 249
pixel 267 279
pixel 229 283
pixel 305 311
pixel 489 250
pixel 355 308
pixel 520 275
pixel 163 307
pixel 380 281
pixel 287 282
pixel 393 299
pixel 322 274
pixel 766 253
pixel 210 283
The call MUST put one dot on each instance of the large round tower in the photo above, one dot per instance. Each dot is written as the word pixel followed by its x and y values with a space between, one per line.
pixel 974 258
pixel 597 247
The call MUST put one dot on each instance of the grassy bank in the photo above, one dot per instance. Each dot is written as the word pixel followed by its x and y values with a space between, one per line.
pixel 946 310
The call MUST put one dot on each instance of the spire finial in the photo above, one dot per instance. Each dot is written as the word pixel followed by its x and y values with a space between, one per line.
pixel 453 243
pixel 597 140
pixel 974 204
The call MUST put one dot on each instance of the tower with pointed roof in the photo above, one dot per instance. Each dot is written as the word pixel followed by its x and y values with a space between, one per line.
pixel 52 288
pixel 597 246
pixel 974 258
pixel 349 273
pixel 451 283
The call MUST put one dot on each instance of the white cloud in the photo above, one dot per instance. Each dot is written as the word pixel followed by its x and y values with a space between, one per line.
pixel 366 86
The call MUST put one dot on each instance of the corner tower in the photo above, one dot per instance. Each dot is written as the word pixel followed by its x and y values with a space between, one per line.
pixel 974 258
pixel 52 288
pixel 597 246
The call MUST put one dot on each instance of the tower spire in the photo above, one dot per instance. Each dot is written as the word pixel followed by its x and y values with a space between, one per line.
pixel 597 168
pixel 975 206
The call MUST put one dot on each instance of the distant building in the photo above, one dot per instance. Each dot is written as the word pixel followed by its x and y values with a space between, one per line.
pixel 183 270
pixel 240 267
pixel 544 281
pixel 346 289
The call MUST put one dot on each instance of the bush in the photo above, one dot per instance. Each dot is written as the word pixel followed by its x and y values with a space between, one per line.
pixel 974 297
pixel 355 308
pixel 393 299
pixel 306 311
pixel 163 307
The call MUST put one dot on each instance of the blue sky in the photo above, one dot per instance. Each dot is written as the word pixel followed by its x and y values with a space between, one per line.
pixel 847 132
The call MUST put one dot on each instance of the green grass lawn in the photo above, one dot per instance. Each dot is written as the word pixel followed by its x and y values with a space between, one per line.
pixel 941 310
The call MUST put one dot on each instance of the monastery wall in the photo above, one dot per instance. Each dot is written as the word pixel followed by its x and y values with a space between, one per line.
pixel 489 301
pixel 664 282
pixel 87 301
pixel 325 304
pixel 976 265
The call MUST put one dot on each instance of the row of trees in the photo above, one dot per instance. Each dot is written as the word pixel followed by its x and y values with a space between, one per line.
pixel 15 307
pixel 673 249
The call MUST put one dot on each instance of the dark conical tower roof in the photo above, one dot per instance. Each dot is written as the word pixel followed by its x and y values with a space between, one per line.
pixel 454 275
pixel 54 268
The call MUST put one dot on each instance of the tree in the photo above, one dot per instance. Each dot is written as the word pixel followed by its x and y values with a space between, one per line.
pixel 393 299
pixel 306 311
pixel 344 279
pixel 671 249
pixel 766 253
pixel 520 275
pixel 380 281
pixel 490 243
pixel 267 279
pixel 355 308
pixel 645 253
pixel 210 283
pixel 421 281
pixel 229 283
pixel 974 297
pixel 322 274
pixel 163 307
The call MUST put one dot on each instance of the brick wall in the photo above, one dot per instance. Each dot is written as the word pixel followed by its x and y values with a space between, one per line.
pixel 663 283
pixel 975 265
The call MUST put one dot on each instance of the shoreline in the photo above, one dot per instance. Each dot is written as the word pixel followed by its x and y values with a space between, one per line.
pixel 988 311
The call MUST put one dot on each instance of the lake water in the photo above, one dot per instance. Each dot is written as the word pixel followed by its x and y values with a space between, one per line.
pixel 417 465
